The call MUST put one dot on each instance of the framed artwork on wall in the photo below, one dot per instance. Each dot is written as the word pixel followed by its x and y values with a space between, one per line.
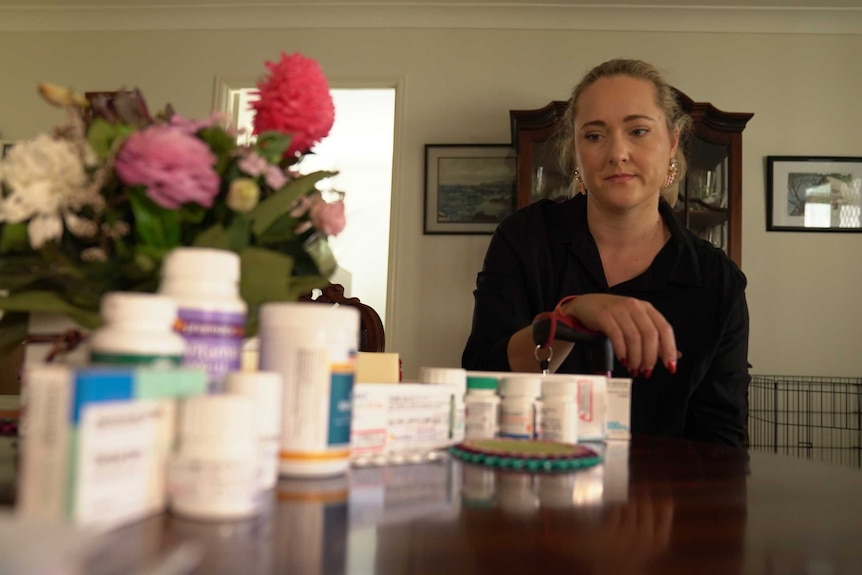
pixel 814 193
pixel 469 188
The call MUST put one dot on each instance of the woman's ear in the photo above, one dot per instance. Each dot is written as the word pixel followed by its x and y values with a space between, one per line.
pixel 674 142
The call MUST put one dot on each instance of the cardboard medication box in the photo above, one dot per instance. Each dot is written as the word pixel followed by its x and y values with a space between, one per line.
pixel 399 417
pixel 96 440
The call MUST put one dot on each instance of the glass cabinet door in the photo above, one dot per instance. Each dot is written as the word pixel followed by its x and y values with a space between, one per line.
pixel 703 204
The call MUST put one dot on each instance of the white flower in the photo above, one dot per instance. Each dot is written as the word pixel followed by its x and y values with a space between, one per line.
pixel 43 228
pixel 44 178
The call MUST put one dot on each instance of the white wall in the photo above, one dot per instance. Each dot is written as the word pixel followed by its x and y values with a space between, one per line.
pixel 804 90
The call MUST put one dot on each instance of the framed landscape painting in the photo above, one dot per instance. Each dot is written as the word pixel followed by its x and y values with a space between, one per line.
pixel 813 193
pixel 469 188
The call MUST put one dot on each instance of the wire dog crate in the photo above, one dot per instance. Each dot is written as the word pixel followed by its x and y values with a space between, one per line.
pixel 817 418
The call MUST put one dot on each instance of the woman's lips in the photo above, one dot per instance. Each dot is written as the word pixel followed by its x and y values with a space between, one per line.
pixel 619 178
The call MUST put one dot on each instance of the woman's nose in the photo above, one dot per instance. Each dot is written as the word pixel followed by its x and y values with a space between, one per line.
pixel 618 150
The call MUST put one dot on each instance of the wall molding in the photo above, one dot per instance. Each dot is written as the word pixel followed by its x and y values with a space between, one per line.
pixel 500 15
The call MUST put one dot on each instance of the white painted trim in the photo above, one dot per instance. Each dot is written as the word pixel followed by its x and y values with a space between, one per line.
pixel 519 15
pixel 395 215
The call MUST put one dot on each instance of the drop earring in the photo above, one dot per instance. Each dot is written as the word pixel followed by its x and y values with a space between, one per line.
pixel 579 182
pixel 671 174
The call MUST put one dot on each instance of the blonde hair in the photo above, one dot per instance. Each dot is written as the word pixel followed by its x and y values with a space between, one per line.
pixel 676 118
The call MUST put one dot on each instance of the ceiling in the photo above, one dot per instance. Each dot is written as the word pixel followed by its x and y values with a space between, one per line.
pixel 802 4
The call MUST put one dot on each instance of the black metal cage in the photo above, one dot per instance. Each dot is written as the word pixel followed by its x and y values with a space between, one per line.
pixel 818 418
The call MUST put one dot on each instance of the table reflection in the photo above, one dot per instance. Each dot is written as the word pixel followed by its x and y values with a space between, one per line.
pixel 652 507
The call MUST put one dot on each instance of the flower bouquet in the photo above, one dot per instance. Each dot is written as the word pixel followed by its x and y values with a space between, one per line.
pixel 95 205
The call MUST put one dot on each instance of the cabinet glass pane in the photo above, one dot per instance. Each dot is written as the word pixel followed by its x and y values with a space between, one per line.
pixel 548 181
pixel 703 197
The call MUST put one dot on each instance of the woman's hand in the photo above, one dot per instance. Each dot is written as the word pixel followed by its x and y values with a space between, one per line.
pixel 638 332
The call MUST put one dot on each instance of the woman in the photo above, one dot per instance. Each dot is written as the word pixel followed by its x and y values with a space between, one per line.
pixel 672 305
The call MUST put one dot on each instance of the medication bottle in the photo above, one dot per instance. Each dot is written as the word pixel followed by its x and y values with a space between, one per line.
pixel 138 329
pixel 211 315
pixel 592 391
pixel 456 378
pixel 264 388
pixel 313 347
pixel 214 474
pixel 518 406
pixel 482 408
pixel 558 410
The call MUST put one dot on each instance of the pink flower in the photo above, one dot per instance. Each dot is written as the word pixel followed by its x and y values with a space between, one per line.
pixel 294 99
pixel 194 126
pixel 175 166
pixel 328 217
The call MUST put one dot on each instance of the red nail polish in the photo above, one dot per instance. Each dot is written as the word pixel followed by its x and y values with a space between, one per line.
pixel 647 373
pixel 624 362
pixel 671 366
pixel 633 372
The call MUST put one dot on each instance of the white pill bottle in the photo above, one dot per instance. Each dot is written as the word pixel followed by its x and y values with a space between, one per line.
pixel 138 329
pixel 313 347
pixel 204 282
pixel 518 407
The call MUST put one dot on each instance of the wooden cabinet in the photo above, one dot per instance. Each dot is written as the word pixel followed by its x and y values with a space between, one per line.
pixel 710 197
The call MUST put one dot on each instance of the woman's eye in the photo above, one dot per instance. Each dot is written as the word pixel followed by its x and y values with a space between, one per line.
pixel 592 137
pixel 640 131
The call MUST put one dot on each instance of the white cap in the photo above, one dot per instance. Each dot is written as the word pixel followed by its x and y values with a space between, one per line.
pixel 528 385
pixel 452 376
pixel 201 264
pixel 265 389
pixel 308 315
pixel 133 307
pixel 221 425
pixel 565 387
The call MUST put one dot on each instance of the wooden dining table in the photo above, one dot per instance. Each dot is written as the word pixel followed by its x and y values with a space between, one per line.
pixel 654 506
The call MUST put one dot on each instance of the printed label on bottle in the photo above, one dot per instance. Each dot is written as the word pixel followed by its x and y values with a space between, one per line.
pixel 340 405
pixel 136 359
pixel 213 341
pixel 517 421
pixel 585 400
pixel 481 419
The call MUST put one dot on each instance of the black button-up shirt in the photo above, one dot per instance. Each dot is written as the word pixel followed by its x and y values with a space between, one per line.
pixel 545 252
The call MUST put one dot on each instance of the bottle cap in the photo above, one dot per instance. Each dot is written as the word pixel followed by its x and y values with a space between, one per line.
pixel 133 307
pixel 201 265
pixel 451 376
pixel 521 385
pixel 218 424
pixel 480 382
pixel 265 390
pixel 309 315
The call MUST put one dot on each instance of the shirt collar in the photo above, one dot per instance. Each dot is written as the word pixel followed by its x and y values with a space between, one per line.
pixel 569 226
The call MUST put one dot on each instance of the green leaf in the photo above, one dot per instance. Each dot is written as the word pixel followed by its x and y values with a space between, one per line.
pixel 14 238
pixel 280 231
pixel 102 136
pixel 221 143
pixel 239 232
pixel 278 204
pixel 154 225
pixel 17 272
pixel 13 330
pixel 272 145
pixel 46 301
pixel 213 237
pixel 265 276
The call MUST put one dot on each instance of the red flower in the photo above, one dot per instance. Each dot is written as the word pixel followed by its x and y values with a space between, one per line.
pixel 294 99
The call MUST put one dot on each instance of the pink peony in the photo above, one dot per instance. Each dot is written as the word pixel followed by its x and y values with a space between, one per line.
pixel 175 166
pixel 294 99
pixel 328 217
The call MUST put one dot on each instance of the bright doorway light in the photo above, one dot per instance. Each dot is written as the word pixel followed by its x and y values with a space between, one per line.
pixel 360 149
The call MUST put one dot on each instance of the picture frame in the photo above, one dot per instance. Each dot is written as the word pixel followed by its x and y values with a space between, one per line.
pixel 469 188
pixel 814 193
